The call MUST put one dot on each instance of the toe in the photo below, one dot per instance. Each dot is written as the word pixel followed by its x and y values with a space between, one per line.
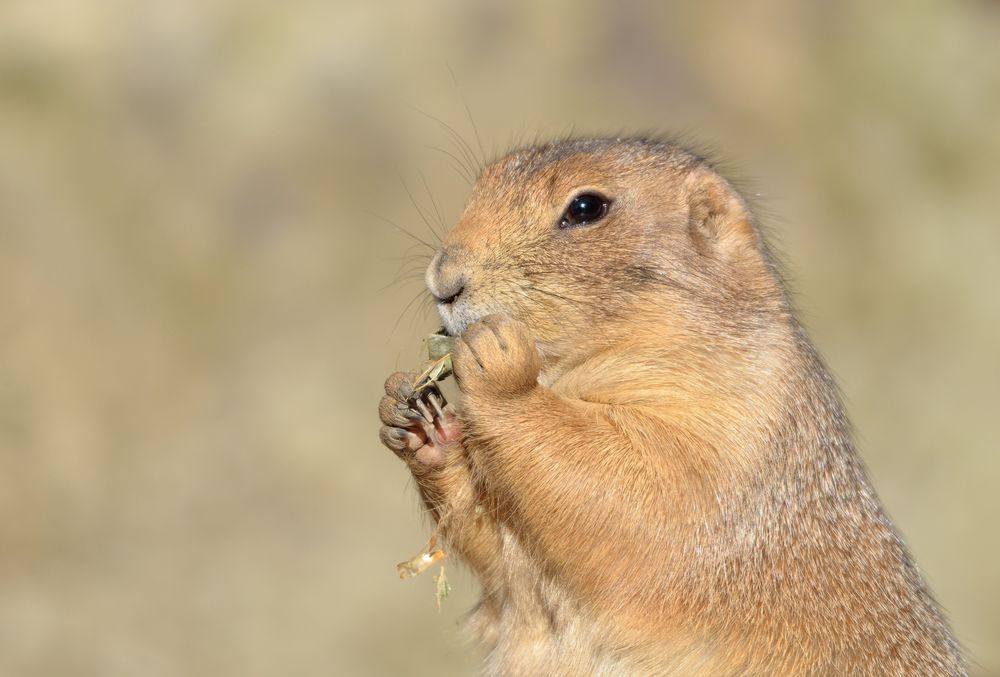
pixel 393 412
pixel 401 440
pixel 400 386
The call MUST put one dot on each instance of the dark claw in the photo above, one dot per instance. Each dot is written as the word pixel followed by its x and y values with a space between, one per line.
pixel 437 402
pixel 408 412
pixel 394 438
pixel 422 407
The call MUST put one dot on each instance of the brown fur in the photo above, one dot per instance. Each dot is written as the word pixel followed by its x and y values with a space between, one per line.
pixel 655 474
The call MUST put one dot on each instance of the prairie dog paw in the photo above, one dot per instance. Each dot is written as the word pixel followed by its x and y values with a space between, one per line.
pixel 418 427
pixel 496 356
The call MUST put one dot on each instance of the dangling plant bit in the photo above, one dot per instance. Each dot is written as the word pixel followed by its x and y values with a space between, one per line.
pixel 442 588
pixel 422 561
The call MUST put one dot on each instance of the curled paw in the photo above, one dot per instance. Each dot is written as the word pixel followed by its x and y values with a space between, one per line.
pixel 417 426
pixel 496 356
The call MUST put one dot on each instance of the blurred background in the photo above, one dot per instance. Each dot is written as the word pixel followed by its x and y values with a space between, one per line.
pixel 196 321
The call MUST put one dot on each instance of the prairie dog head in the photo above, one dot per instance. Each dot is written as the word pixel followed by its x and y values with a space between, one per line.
pixel 588 240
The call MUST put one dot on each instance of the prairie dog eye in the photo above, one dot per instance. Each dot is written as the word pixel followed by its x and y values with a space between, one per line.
pixel 584 209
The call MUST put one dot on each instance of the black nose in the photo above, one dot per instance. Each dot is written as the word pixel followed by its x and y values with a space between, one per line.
pixel 444 279
pixel 448 300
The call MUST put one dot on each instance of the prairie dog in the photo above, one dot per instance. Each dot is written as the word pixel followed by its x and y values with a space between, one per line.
pixel 650 469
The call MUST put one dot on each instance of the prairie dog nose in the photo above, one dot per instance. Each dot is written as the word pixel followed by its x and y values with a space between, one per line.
pixel 444 278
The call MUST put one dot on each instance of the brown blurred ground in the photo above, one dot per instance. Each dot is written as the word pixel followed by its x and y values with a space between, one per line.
pixel 193 338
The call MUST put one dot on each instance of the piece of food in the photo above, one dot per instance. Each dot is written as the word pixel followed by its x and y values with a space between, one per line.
pixel 422 561
pixel 439 347
pixel 442 588
pixel 438 370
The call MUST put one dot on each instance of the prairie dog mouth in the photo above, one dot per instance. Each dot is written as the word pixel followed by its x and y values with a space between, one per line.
pixel 457 317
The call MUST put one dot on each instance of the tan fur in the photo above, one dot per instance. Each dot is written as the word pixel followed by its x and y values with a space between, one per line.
pixel 656 475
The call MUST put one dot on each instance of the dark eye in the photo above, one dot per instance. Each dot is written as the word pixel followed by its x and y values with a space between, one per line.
pixel 584 209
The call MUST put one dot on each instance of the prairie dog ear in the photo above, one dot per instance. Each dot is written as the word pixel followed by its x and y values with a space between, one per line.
pixel 718 218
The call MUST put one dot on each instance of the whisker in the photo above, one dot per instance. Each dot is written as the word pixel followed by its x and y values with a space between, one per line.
pixel 416 206
pixel 420 312
pixel 406 308
pixel 411 274
pixel 395 283
pixel 410 255
pixel 411 263
pixel 454 163
pixel 426 306
pixel 464 149
pixel 468 113
pixel 430 195
pixel 401 229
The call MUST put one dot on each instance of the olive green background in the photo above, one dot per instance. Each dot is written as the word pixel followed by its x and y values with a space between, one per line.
pixel 194 328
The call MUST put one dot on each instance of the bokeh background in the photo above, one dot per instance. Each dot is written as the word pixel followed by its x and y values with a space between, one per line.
pixel 196 323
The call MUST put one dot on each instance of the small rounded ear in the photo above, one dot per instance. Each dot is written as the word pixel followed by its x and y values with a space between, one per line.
pixel 718 218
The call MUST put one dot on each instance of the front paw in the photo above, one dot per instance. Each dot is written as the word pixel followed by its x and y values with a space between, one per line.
pixel 420 427
pixel 496 356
